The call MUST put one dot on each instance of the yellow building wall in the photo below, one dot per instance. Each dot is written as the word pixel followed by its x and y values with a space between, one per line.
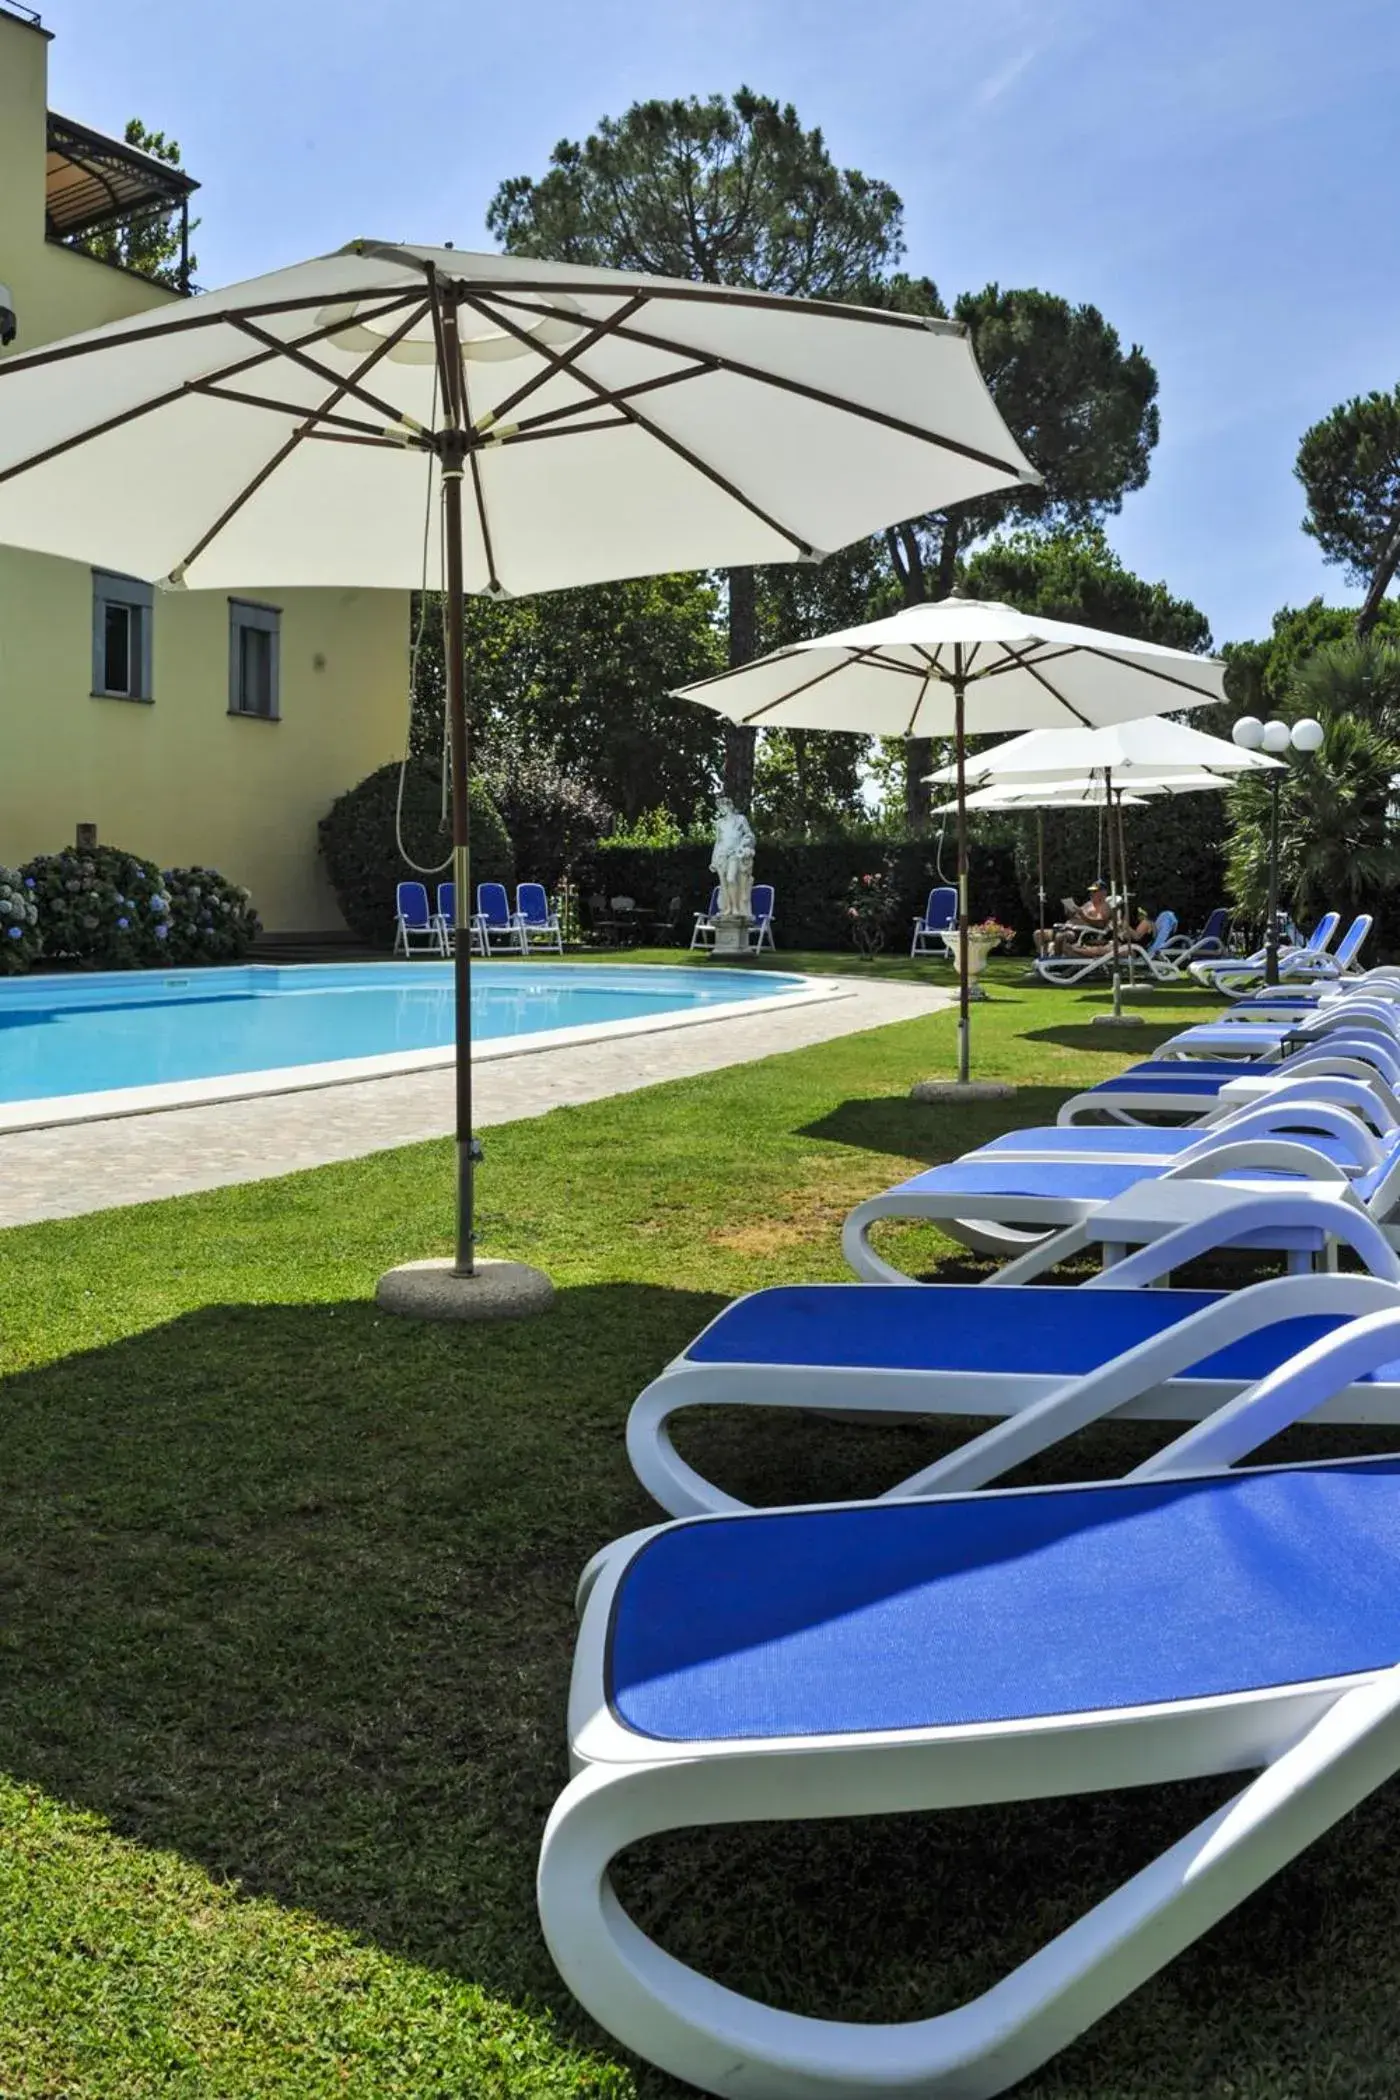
pixel 179 780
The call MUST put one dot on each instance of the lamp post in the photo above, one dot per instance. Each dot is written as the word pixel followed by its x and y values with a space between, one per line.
pixel 1275 739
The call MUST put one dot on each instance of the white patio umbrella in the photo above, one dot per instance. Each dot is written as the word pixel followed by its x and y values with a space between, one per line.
pixel 1151 756
pixel 913 674
pixel 1149 748
pixel 296 429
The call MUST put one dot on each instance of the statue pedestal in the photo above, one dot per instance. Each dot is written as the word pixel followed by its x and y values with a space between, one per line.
pixel 732 936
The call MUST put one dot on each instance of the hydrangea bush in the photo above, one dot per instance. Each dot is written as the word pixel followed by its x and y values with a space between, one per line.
pixel 20 938
pixel 211 920
pixel 100 907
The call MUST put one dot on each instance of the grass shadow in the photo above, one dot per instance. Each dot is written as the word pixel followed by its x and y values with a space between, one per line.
pixel 932 1131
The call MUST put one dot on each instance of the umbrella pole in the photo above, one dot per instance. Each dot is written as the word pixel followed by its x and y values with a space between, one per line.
pixel 1113 881
pixel 452 469
pixel 964 986
pixel 1040 868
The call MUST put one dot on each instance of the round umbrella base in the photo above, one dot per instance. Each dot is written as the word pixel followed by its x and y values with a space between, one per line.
pixel 960 1090
pixel 1117 1021
pixel 499 1290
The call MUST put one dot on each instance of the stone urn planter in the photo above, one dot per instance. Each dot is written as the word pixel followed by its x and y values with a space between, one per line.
pixel 981 940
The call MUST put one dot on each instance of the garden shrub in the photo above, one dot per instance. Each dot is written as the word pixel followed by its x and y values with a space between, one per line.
pixel 361 852
pixel 211 920
pixel 812 878
pixel 21 939
pixel 100 907
pixel 551 819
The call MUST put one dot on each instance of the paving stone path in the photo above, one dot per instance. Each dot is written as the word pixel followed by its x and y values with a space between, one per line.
pixel 61 1173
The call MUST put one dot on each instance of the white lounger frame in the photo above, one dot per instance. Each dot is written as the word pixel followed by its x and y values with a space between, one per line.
pixel 991 1222
pixel 1144 1384
pixel 1318 1749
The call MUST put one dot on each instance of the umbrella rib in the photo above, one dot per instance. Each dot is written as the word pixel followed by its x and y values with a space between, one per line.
pixel 923 695
pixel 146 408
pixel 783 698
pixel 1146 670
pixel 642 422
pixel 214 392
pixel 284 451
pixel 810 393
pixel 532 426
pixel 575 350
pixel 58 352
pixel 1055 693
pixel 723 295
pixel 298 357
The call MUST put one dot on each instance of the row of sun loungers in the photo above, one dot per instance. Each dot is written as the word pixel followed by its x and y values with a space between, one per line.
pixel 956 1641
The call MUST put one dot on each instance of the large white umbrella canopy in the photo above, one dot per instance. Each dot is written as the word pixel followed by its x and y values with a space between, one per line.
pixel 1150 749
pixel 1052 794
pixel 576 424
pixel 955 665
pixel 279 432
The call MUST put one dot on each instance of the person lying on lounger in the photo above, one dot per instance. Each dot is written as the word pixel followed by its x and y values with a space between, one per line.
pixel 1066 943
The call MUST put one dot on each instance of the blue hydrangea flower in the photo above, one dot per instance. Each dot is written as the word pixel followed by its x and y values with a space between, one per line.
pixel 161 932
pixel 13 932
pixel 123 924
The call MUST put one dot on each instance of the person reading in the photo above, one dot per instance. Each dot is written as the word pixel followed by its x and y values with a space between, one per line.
pixel 1091 916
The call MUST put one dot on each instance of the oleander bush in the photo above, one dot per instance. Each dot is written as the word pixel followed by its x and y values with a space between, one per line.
pixel 21 941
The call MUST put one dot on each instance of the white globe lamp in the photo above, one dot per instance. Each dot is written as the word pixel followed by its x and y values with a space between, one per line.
pixel 1248 732
pixel 1307 735
pixel 1276 738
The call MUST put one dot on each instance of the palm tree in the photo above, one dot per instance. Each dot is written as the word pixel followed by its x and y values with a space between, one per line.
pixel 1339 843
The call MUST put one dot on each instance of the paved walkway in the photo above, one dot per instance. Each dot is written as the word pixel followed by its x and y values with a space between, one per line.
pixel 62 1172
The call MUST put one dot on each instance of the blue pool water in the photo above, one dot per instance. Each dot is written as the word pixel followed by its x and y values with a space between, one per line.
pixel 79 1035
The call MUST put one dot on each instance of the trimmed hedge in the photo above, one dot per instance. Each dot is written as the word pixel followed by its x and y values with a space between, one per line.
pixel 812 878
pixel 360 847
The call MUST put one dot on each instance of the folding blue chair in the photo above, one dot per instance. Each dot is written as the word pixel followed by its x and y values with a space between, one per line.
pixel 495 924
pixel 1186 948
pixel 761 916
pixel 537 919
pixel 940 917
pixel 413 922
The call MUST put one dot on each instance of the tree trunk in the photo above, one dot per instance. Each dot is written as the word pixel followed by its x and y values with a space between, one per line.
pixel 739 741
pixel 1380 582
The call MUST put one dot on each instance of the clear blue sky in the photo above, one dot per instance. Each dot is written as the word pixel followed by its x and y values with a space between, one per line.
pixel 1219 176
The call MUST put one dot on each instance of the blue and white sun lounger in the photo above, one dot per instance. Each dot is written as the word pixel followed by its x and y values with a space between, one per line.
pixel 883 1350
pixel 1011 1207
pixel 1193 1090
pixel 1021 1644
pixel 1234 973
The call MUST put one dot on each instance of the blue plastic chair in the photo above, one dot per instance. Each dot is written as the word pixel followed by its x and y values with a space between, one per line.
pixel 495 924
pixel 537 919
pixel 761 916
pixel 413 922
pixel 940 917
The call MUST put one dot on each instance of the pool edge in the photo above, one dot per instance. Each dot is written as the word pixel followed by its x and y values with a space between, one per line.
pixel 58 1110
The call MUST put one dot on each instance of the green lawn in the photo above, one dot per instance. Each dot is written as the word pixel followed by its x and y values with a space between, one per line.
pixel 287 1627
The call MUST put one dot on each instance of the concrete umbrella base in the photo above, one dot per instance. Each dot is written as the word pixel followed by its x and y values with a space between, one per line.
pixel 500 1290
pixel 961 1090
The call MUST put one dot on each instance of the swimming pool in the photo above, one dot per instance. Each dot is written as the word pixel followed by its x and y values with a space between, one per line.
pixel 156 1039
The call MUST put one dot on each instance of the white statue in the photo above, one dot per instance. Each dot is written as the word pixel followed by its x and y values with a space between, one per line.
pixel 732 860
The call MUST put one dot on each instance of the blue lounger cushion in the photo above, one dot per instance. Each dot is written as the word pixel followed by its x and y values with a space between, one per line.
pixel 1103 1141
pixel 1079 1181
pixel 1176 1079
pixel 1005 1607
pixel 1048 1330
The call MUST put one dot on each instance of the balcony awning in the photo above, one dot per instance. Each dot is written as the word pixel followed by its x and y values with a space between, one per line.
pixel 93 181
